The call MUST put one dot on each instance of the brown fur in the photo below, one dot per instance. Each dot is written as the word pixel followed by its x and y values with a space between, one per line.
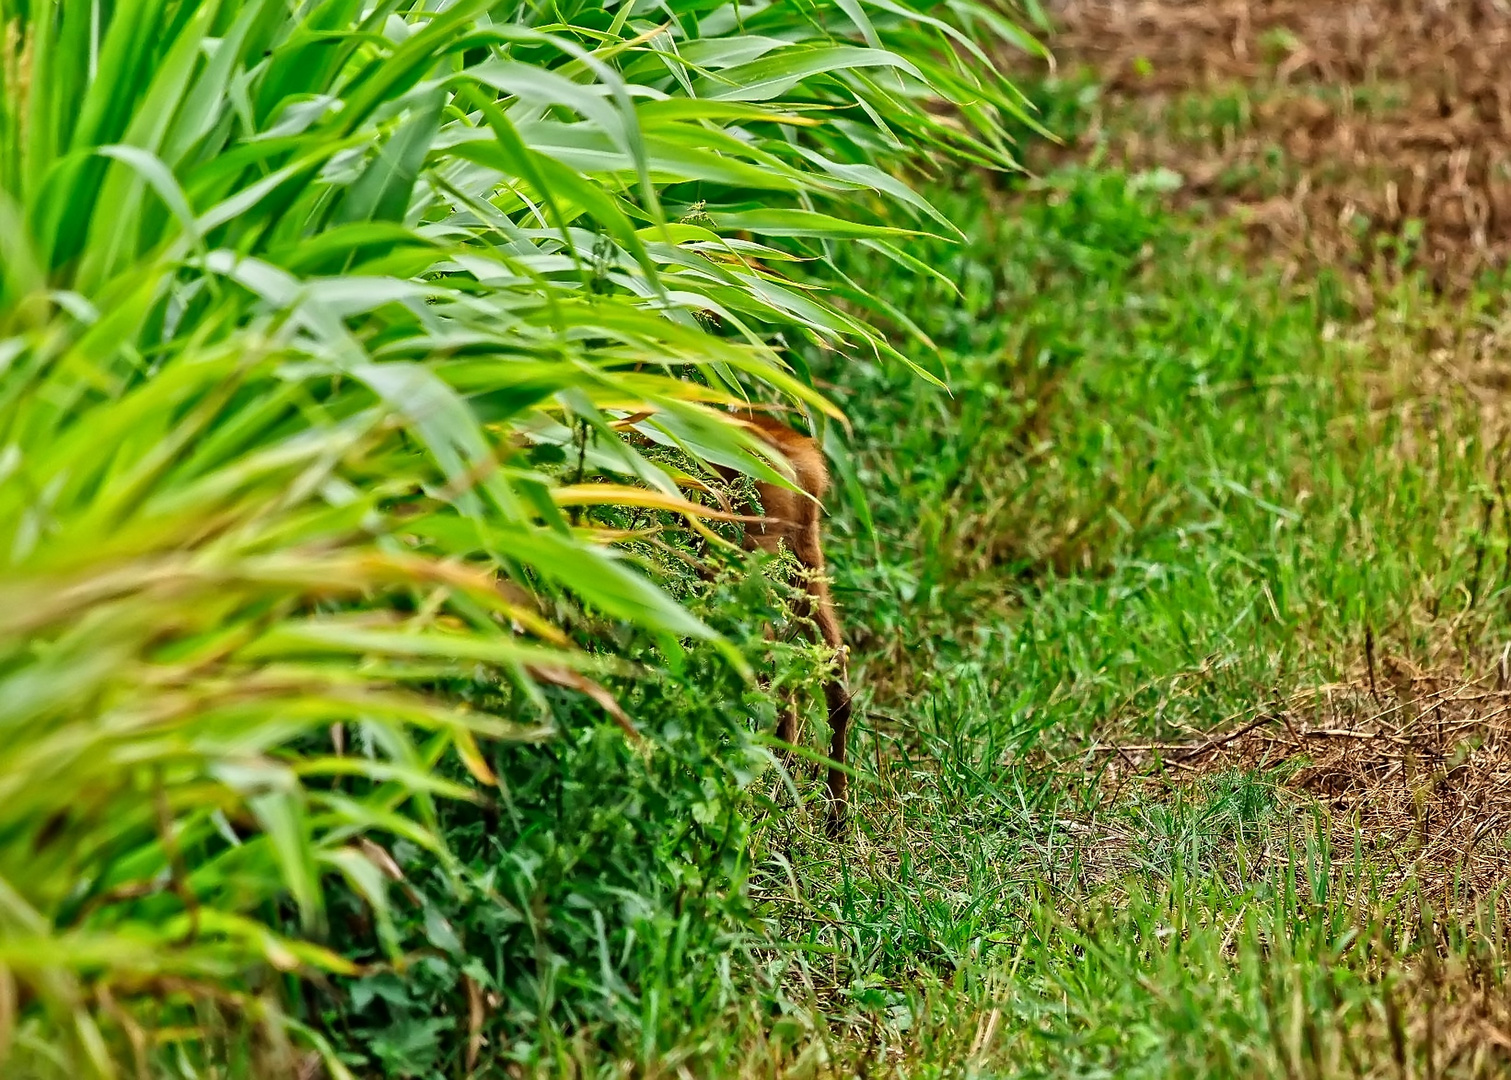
pixel 796 525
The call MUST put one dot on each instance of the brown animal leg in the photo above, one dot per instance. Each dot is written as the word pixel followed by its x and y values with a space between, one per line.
pixel 787 721
pixel 807 545
pixel 786 729
pixel 820 610
pixel 836 695
pixel 794 521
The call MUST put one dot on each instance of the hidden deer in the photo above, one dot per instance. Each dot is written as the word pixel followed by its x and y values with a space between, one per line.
pixel 791 519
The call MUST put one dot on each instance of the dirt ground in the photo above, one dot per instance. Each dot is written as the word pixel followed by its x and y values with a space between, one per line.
pixel 1374 134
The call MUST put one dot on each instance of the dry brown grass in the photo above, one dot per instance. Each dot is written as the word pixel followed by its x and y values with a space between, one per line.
pixel 1415 764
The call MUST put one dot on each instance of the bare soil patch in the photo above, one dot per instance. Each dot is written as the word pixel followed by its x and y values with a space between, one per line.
pixel 1374 134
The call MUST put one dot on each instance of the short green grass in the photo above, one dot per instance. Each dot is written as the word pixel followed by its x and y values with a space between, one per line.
pixel 1167 490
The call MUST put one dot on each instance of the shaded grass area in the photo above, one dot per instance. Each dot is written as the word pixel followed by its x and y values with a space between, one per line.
pixel 1168 496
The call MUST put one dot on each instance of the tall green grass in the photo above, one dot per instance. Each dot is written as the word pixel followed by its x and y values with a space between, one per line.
pixel 314 321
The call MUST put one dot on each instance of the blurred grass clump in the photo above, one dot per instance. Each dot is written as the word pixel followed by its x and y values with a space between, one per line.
pixel 358 365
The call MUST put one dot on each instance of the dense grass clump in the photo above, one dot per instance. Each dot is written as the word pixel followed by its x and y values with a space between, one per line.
pixel 354 360
pixel 376 655
pixel 601 898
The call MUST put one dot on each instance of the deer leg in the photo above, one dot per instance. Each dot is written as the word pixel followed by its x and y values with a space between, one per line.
pixel 794 521
pixel 787 720
pixel 837 689
pixel 786 729
pixel 837 698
